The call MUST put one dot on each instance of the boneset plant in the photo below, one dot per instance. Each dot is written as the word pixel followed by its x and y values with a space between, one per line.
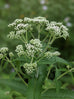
pixel 34 58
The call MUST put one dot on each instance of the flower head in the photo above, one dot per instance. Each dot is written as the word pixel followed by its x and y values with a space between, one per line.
pixel 30 67
pixel 21 26
pixel 40 20
pixel 20 50
pixel 15 22
pixel 11 35
pixel 19 33
pixel 36 42
pixel 49 54
pixel 11 54
pixel 33 47
pixel 3 50
pixel 58 29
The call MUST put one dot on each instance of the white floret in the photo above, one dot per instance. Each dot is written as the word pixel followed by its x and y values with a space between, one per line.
pixel 11 54
pixel 57 29
pixel 3 50
pixel 30 67
pixel 11 35
pixel 20 50
pixel 49 54
pixel 33 47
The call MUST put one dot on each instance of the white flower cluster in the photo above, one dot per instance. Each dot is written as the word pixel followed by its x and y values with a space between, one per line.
pixel 19 29
pixel 3 51
pixel 15 22
pixel 30 67
pixel 21 26
pixel 11 35
pixel 16 35
pixel 20 50
pixel 33 47
pixel 19 33
pixel 58 29
pixel 11 54
pixel 41 20
pixel 30 50
pixel 36 42
pixel 51 54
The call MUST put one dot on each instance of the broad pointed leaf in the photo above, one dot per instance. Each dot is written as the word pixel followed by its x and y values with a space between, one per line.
pixel 14 84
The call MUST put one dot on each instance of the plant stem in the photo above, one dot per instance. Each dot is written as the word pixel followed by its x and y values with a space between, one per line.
pixel 65 73
pixel 49 43
pixel 16 71
pixel 39 32
pixel 45 38
pixel 26 37
pixel 32 35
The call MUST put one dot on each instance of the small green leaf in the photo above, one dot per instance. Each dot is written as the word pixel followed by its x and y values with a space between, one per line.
pixel 61 60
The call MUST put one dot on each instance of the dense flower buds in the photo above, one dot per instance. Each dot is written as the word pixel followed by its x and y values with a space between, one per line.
pixel 49 54
pixel 15 22
pixel 58 30
pixel 20 50
pixel 11 54
pixel 3 50
pixel 11 35
pixel 30 67
pixel 36 20
pixel 33 47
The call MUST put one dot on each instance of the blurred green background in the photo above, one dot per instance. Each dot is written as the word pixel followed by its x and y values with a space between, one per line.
pixel 53 10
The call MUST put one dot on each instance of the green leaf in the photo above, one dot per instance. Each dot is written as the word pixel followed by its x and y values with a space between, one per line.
pixel 48 61
pixel 61 60
pixel 67 79
pixel 54 60
pixel 5 65
pixel 5 94
pixel 14 84
pixel 20 97
pixel 62 94
pixel 57 82
pixel 34 89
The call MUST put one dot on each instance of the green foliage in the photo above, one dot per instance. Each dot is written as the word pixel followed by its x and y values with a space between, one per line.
pixel 54 60
pixel 62 94
pixel 14 84
pixel 5 94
